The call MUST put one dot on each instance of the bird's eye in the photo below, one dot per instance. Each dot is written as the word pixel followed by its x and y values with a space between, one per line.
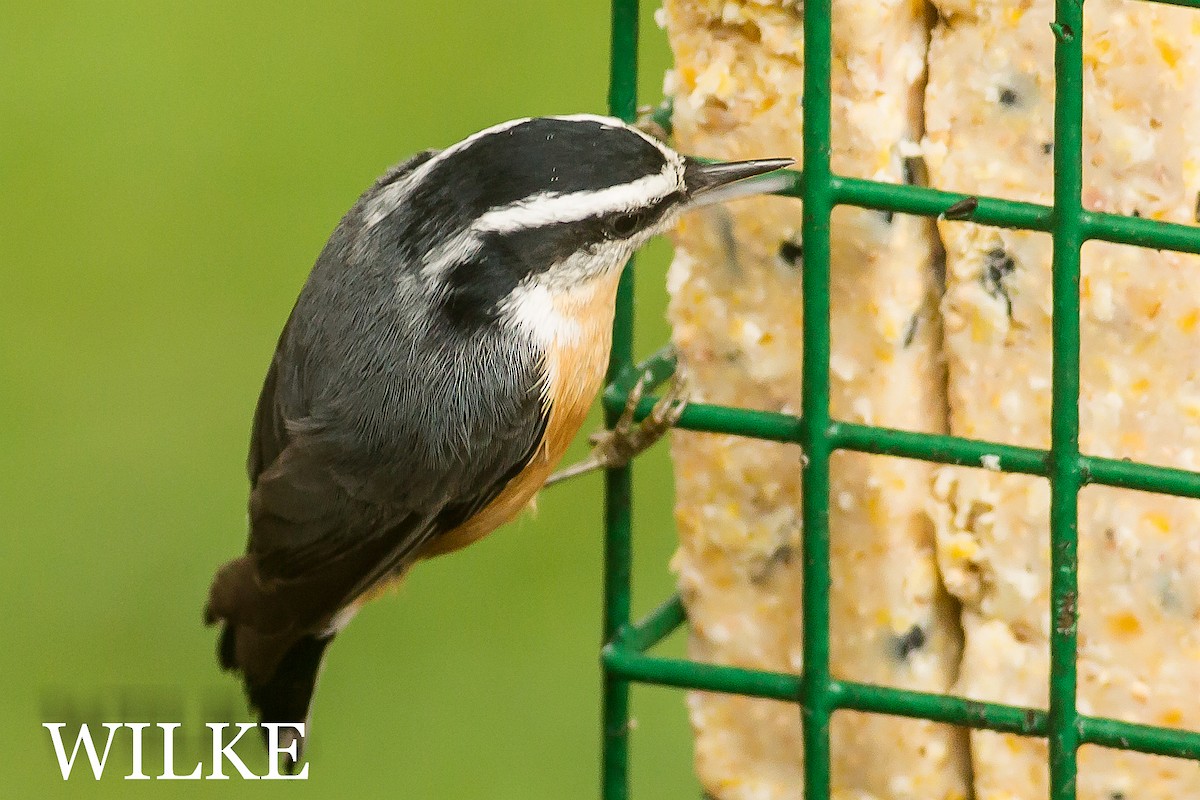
pixel 623 225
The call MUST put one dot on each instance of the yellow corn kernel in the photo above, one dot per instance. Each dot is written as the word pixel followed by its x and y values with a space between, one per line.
pixel 1124 624
pixel 962 548
pixel 1132 441
pixel 1159 521
pixel 1172 717
pixel 979 329
pixel 1169 52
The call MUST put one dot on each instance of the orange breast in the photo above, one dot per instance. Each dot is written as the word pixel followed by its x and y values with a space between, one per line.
pixel 575 362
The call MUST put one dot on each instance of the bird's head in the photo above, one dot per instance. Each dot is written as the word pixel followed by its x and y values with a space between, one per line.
pixel 547 204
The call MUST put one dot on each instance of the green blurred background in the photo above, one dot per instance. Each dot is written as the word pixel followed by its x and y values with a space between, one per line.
pixel 168 173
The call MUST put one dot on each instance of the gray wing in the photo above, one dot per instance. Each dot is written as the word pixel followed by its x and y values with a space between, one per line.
pixel 367 442
pixel 327 522
pixel 267 436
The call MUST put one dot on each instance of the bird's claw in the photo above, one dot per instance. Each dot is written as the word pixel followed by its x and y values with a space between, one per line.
pixel 616 448
pixel 627 439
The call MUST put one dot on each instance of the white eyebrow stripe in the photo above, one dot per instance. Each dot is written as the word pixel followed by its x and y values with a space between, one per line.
pixel 548 208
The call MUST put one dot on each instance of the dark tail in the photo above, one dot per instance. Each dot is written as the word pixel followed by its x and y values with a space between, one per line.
pixel 285 696
pixel 279 671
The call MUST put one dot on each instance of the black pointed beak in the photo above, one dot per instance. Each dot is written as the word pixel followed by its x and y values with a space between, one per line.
pixel 701 178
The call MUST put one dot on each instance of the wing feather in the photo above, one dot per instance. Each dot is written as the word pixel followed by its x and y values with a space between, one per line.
pixel 375 432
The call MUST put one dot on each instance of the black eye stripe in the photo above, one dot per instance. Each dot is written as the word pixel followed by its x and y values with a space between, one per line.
pixel 623 225
pixel 617 221
pixel 532 250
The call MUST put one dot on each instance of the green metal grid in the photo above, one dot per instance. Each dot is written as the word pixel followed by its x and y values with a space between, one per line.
pixel 817 692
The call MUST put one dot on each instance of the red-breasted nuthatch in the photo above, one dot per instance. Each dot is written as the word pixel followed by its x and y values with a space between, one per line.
pixel 442 355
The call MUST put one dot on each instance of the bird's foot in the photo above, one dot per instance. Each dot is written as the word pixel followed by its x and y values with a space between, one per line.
pixel 627 439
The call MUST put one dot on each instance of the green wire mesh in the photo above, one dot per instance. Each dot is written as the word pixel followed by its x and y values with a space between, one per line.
pixel 817 692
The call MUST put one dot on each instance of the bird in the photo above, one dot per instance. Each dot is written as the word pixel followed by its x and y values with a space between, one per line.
pixel 442 354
